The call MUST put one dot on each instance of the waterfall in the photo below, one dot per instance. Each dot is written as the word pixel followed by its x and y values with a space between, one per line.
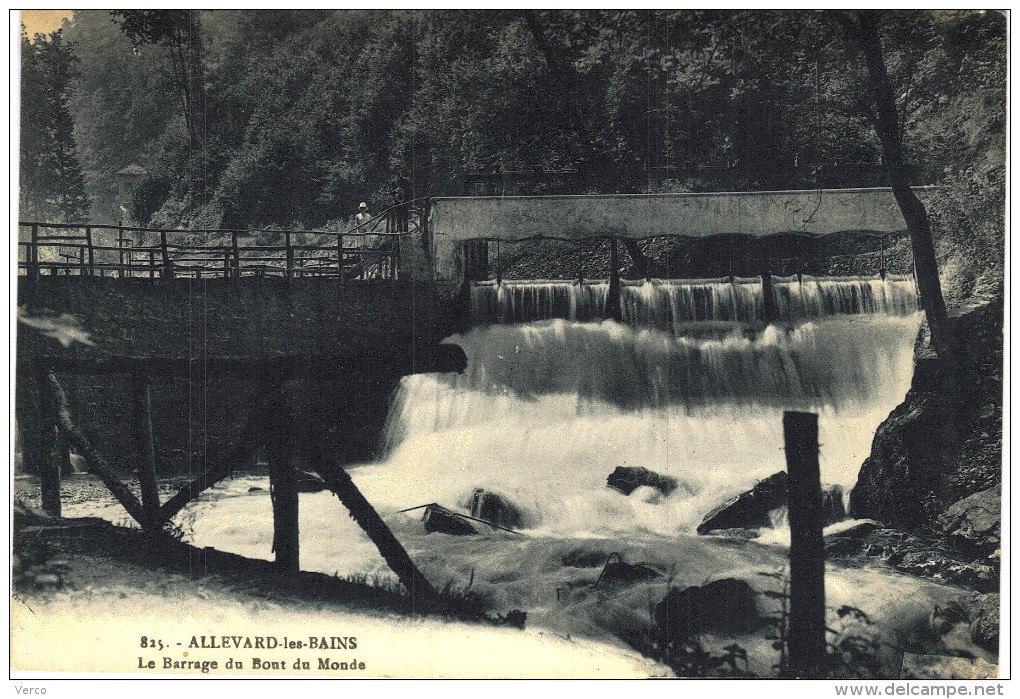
pixel 670 303
pixel 554 397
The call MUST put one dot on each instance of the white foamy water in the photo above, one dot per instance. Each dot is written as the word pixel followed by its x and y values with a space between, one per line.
pixel 546 411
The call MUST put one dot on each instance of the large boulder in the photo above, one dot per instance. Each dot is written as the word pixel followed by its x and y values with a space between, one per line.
pixel 627 479
pixel 750 509
pixel 972 524
pixel 944 442
pixel 724 606
pixel 495 507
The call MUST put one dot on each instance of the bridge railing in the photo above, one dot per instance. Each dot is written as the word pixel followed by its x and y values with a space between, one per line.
pixel 370 250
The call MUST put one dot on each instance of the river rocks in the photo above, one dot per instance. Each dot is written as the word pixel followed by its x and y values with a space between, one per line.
pixel 627 478
pixel 983 614
pixel 441 520
pixel 496 508
pixel 724 606
pixel 944 442
pixel 866 538
pixel 923 556
pixel 623 572
pixel 972 524
pixel 750 509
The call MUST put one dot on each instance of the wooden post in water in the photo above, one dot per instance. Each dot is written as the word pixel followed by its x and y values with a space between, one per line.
pixel 142 418
pixel 282 481
pixel 806 634
pixel 49 454
pixel 613 309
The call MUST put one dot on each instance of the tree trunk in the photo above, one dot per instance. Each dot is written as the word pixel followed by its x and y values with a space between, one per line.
pixel 886 126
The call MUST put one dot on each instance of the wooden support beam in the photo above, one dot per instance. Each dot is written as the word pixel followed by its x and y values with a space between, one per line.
pixel 278 431
pixel 96 463
pixel 49 454
pixel 444 357
pixel 64 451
pixel 339 482
pixel 142 419
pixel 806 633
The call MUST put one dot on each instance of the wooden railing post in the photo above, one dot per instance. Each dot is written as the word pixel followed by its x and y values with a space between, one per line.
pixel 152 264
pixel 290 255
pixel 120 248
pixel 168 269
pixel 88 241
pixel 142 417
pixel 33 253
pixel 236 251
pixel 806 634
pixel 340 257
pixel 81 260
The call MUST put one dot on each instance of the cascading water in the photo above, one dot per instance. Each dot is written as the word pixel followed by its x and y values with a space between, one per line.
pixel 554 399
pixel 690 384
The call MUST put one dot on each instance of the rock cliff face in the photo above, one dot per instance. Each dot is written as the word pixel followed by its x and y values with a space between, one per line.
pixel 944 442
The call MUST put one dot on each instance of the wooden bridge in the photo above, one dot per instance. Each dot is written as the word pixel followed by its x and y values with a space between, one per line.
pixel 369 250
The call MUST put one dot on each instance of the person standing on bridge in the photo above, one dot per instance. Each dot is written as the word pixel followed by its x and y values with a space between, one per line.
pixel 371 257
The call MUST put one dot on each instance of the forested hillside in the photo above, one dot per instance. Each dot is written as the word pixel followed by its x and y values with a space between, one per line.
pixel 293 117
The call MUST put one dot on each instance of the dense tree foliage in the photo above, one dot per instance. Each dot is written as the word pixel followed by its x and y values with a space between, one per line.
pixel 52 187
pixel 293 117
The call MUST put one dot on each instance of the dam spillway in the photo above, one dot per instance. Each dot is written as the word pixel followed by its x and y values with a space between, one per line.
pixel 689 383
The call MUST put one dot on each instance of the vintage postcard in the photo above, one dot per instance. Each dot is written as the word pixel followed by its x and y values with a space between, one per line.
pixel 510 344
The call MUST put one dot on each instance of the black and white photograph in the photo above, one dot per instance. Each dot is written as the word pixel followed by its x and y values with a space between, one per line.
pixel 510 343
